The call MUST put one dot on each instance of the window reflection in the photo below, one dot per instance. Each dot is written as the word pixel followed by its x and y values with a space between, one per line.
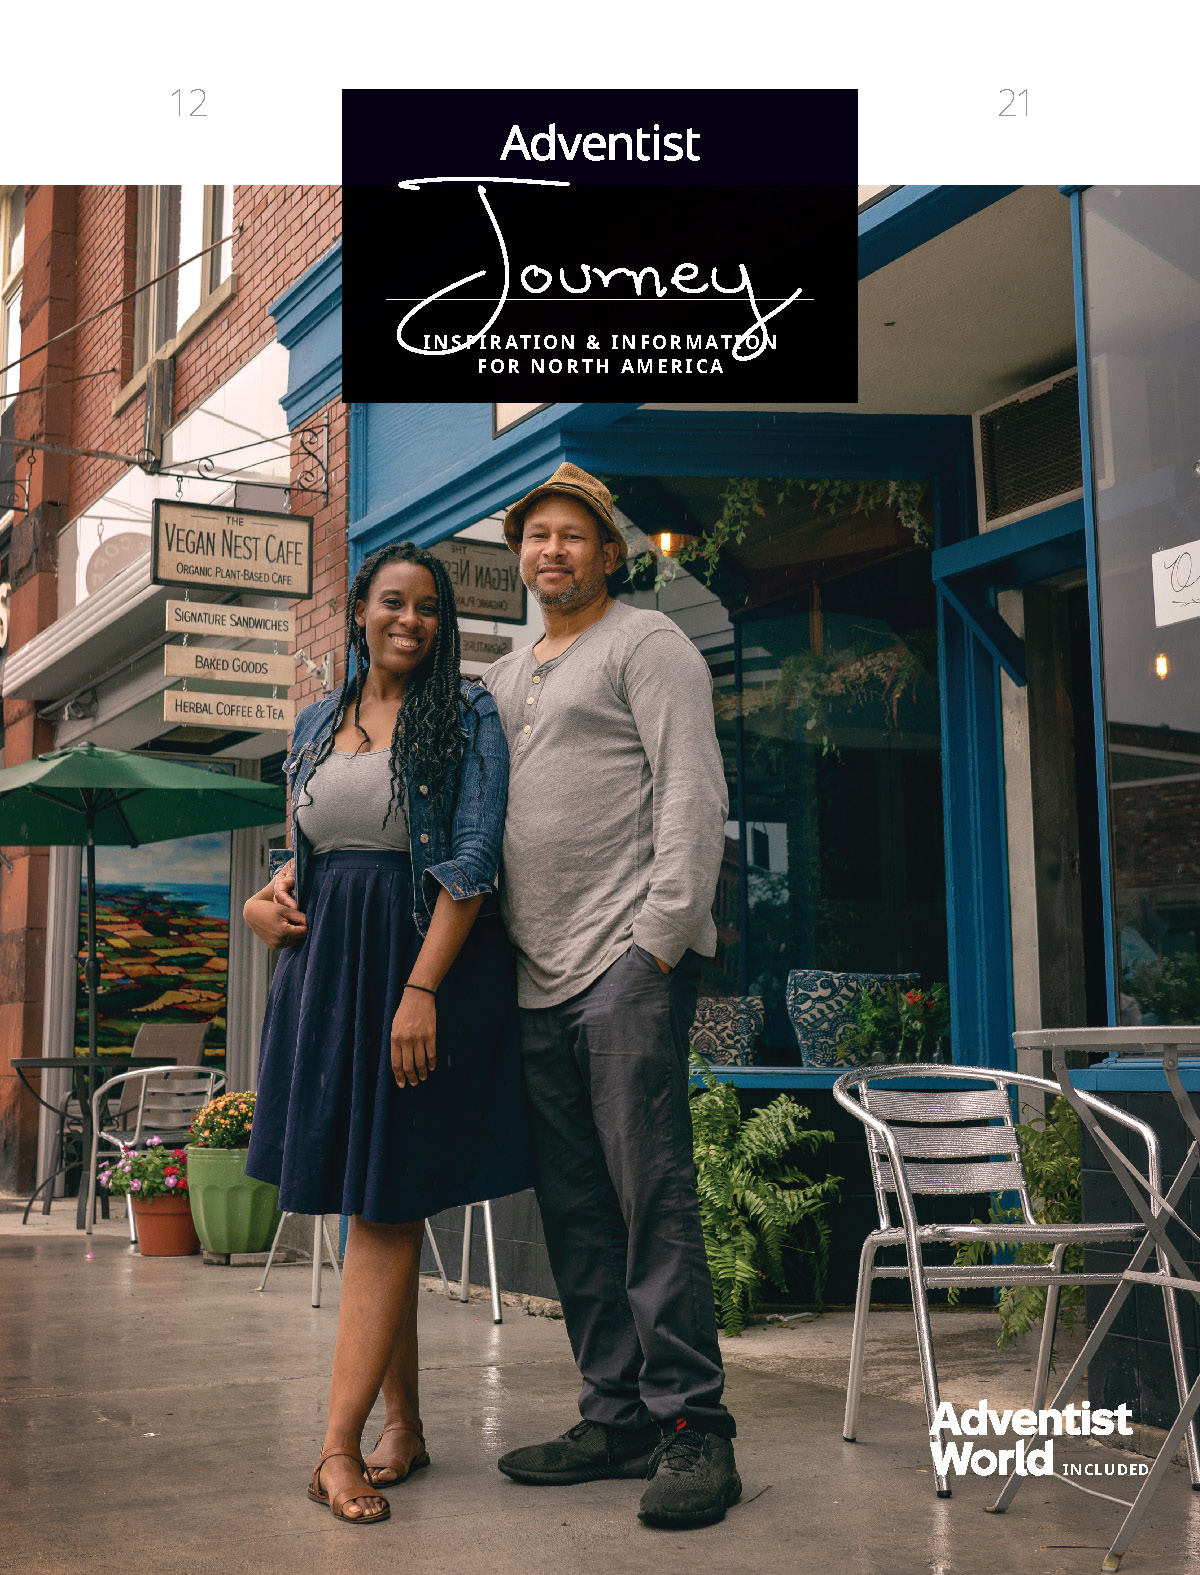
pixel 1142 262
pixel 819 629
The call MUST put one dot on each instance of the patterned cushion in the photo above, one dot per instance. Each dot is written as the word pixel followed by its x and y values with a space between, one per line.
pixel 725 1029
pixel 820 1004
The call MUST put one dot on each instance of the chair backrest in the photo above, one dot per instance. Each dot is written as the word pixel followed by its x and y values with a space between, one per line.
pixel 166 1042
pixel 948 1138
pixel 173 1097
pixel 166 1099
pixel 951 1141
pixel 172 1041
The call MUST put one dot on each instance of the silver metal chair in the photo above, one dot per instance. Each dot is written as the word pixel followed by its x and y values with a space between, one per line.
pixel 156 1101
pixel 1158 1212
pixel 320 1230
pixel 320 1235
pixel 464 1284
pixel 971 1149
pixel 182 1043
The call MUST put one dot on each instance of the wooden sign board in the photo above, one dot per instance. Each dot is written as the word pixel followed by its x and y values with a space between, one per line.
pixel 193 708
pixel 231 667
pixel 231 549
pixel 252 623
pixel 486 579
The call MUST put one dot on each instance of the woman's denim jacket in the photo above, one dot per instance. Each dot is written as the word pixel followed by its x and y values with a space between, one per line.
pixel 455 839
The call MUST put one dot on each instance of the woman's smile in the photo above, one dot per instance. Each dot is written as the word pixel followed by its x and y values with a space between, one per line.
pixel 400 618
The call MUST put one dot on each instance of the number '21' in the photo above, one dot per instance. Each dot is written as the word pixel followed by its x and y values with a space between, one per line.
pixel 197 113
pixel 1012 99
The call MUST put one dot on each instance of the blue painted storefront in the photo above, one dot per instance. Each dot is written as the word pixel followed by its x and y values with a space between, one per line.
pixel 424 472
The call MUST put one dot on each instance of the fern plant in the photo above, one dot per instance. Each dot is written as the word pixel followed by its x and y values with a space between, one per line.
pixel 1050 1155
pixel 754 1206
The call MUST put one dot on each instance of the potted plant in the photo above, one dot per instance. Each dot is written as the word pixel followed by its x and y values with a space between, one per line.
pixel 156 1183
pixel 233 1212
pixel 894 1025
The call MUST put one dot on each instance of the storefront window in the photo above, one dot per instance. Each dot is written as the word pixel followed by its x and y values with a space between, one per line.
pixel 819 627
pixel 1141 248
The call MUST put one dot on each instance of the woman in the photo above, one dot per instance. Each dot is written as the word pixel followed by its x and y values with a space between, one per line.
pixel 389 1081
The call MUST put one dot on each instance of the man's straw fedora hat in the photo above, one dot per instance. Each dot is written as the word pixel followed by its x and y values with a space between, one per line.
pixel 571 482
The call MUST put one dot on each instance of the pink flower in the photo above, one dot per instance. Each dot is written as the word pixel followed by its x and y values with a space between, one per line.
pixel 172 1181
pixel 136 1184
pixel 151 1141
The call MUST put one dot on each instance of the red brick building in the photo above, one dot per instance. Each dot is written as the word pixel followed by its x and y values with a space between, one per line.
pixel 185 336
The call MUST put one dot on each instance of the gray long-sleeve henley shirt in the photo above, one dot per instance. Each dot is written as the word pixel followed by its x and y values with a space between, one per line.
pixel 616 802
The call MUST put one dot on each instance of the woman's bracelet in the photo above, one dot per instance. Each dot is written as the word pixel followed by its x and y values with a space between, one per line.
pixel 424 988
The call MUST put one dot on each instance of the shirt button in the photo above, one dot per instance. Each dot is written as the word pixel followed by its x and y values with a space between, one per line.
pixel 529 701
pixel 536 678
pixel 525 729
pixel 422 789
pixel 424 836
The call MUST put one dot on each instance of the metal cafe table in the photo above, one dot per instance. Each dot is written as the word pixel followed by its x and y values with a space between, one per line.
pixel 89 1065
pixel 1159 1213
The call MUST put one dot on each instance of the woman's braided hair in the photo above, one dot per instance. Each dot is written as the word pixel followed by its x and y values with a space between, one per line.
pixel 427 723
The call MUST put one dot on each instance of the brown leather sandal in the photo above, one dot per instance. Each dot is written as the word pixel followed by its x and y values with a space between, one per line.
pixel 415 1463
pixel 319 1496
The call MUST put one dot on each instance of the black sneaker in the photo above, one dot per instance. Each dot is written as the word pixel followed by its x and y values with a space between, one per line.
pixel 693 1480
pixel 587 1452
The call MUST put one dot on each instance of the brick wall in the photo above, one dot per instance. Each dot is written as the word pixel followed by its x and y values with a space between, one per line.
pixel 280 231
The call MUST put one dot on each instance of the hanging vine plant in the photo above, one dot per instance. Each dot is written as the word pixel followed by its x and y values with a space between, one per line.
pixel 815 683
pixel 741 504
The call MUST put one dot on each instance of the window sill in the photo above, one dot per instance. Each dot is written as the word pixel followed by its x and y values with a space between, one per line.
pixel 207 310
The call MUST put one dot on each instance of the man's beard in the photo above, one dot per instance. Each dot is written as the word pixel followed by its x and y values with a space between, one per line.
pixel 577 594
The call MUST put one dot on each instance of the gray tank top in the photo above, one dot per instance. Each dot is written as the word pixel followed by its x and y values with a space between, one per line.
pixel 344 802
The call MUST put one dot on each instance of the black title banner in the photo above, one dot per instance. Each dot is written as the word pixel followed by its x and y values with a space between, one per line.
pixel 594 246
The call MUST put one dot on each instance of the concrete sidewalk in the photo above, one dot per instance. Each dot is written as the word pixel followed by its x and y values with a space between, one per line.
pixel 156 1411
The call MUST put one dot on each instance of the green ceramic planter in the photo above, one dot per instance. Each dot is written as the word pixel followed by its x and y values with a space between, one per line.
pixel 232 1211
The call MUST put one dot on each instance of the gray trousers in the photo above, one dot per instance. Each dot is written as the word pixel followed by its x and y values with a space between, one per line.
pixel 606 1078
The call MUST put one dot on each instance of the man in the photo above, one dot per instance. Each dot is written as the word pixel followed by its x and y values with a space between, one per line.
pixel 612 848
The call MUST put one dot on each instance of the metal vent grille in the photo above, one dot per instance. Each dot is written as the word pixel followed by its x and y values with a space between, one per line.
pixel 1030 449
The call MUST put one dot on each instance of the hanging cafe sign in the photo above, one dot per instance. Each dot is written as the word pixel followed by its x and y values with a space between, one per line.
pixel 248 713
pixel 198 544
pixel 230 550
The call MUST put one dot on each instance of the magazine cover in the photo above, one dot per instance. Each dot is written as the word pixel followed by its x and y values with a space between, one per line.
pixel 599 884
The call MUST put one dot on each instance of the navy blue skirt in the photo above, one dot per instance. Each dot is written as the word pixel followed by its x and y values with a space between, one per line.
pixel 331 1127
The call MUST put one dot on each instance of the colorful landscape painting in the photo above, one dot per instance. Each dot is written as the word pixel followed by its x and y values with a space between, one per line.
pixel 162 935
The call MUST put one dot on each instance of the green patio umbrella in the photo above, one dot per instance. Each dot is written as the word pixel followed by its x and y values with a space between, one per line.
pixel 83 796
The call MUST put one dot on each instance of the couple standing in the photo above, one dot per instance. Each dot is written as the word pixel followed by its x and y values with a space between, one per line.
pixel 390 1082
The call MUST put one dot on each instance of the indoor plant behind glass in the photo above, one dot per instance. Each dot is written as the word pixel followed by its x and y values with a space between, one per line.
pixel 156 1183
pixel 895 1025
pixel 233 1212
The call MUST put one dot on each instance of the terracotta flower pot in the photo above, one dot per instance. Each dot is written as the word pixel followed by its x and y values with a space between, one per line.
pixel 164 1226
pixel 233 1212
